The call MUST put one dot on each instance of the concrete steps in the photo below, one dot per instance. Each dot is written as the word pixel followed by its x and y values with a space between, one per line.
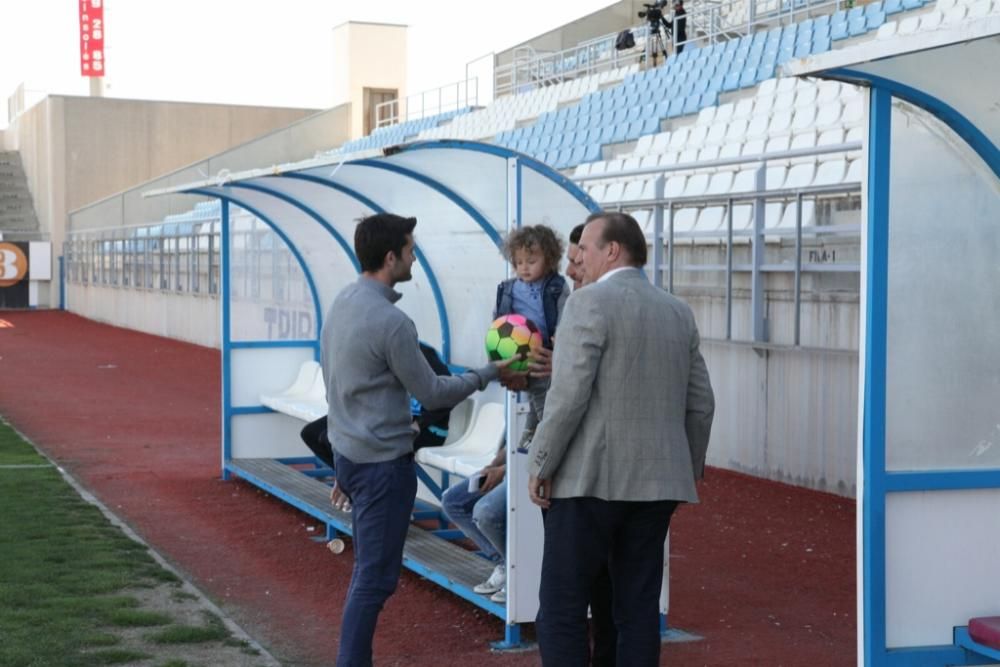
pixel 17 209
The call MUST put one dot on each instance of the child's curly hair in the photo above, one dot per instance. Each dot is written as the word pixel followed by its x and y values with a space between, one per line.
pixel 535 237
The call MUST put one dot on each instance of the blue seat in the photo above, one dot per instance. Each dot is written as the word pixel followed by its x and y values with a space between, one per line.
pixel 874 20
pixel 645 97
pixel 576 156
pixel 650 126
pixel 821 21
pixel 593 136
pixel 855 12
pixel 662 107
pixel 765 71
pixel 786 53
pixel 562 159
pixel 709 99
pixel 857 26
pixel 892 6
pixel 803 37
pixel 676 107
pixel 802 50
pixel 821 32
pixel 535 144
pixel 633 113
pixel 715 84
pixel 559 126
pixel 874 8
pixel 700 86
pixel 634 130
pixel 822 45
pixel 838 31
pixel 607 132
pixel 731 82
pixel 748 77
pixel 758 38
pixel 607 118
pixel 619 116
pixel 591 153
pixel 691 104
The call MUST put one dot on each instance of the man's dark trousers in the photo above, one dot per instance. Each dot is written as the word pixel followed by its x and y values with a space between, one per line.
pixel 581 535
pixel 382 497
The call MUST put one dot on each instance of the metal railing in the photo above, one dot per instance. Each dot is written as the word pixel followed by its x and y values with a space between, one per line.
pixel 449 97
pixel 663 232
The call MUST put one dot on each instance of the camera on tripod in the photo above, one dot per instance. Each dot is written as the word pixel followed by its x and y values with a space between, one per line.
pixel 654 12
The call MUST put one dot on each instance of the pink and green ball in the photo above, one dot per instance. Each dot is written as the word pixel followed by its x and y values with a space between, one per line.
pixel 512 335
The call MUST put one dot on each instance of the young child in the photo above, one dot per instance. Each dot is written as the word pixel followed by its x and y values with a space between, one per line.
pixel 538 293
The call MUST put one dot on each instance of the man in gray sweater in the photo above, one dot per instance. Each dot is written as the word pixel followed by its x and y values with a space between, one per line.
pixel 372 363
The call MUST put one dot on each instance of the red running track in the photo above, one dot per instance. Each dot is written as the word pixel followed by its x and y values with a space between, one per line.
pixel 763 571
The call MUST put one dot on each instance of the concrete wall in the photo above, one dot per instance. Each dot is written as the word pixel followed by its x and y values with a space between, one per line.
pixel 76 150
pixel 298 141
pixel 192 318
pixel 367 55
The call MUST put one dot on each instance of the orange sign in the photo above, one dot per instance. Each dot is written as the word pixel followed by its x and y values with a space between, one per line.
pixel 13 264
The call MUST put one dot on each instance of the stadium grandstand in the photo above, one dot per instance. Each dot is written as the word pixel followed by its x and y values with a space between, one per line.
pixel 756 163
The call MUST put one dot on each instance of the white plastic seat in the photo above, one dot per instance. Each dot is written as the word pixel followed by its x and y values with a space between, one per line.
pixel 483 437
pixel 661 141
pixel 887 30
pixel 805 118
pixel 831 172
pixel 643 217
pixel 708 153
pixel 696 185
pixel 773 211
pixel 711 219
pixel 582 170
pixel 743 109
pixel 678 140
pixel 614 193
pixel 778 144
pixel 721 182
pixel 764 105
pixel 945 5
pixel 806 96
pixel 668 159
pixel 724 112
pixel 828 91
pixel 955 15
pixel 745 180
pixel 767 87
pixel 648 189
pixel 674 186
pixel 685 220
pixel 931 21
pixel 828 114
pixel 855 134
pixel 633 190
pixel 979 9
pixel 630 164
pixel 737 130
pixel 908 25
pixel 688 155
pixel 716 133
pixel 787 84
pixel 649 161
pixel 855 171
pixel 697 136
pixel 753 147
pixel 596 192
pixel 808 215
pixel 742 220
pixel 853 113
pixel 305 399
pixel 780 122
pixel 801 175
pixel 757 127
pixel 706 116
pixel 730 150
pixel 774 178
pixel 784 101
pixel 644 145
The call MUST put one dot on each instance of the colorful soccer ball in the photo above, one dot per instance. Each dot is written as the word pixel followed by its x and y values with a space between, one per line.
pixel 512 335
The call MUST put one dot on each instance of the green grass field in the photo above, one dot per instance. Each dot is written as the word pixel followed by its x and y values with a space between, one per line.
pixel 69 578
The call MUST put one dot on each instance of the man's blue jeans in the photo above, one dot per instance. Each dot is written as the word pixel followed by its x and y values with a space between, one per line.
pixel 482 517
pixel 382 497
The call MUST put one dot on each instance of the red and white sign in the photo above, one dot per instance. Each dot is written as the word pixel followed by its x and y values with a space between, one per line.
pixel 92 62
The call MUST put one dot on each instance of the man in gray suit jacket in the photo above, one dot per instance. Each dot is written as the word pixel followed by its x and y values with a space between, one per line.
pixel 624 437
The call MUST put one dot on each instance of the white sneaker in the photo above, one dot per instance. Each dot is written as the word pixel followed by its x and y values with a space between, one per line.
pixel 495 583
pixel 500 596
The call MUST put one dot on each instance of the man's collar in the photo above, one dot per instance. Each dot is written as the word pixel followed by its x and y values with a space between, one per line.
pixel 390 294
pixel 616 271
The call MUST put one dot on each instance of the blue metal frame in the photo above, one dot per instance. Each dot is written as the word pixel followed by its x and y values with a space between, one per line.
pixel 530 162
pixel 442 311
pixel 438 187
pixel 878 481
pixel 227 389
pixel 880 134
pixel 950 116
pixel 308 211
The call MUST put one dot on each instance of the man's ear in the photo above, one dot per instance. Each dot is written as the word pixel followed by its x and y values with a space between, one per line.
pixel 389 260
